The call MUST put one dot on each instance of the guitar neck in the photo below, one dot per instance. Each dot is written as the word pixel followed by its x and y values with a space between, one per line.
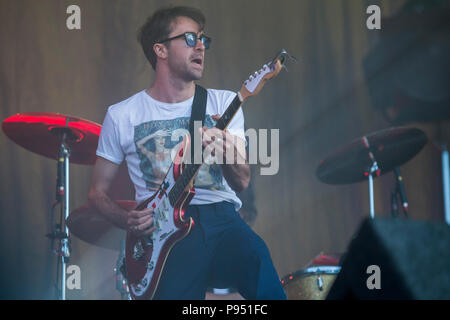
pixel 228 115
pixel 190 170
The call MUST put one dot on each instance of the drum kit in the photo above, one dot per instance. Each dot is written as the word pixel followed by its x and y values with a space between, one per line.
pixel 66 138
pixel 362 159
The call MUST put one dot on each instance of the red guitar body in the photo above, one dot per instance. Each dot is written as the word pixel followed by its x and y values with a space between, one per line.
pixel 145 257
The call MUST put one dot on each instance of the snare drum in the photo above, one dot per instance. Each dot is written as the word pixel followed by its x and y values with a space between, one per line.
pixel 312 283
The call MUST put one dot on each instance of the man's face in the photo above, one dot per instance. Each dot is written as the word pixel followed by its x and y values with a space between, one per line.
pixel 185 62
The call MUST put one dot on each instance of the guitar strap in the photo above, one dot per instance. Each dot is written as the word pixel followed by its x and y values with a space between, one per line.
pixel 198 112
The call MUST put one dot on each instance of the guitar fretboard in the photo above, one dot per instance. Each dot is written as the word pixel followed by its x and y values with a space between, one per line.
pixel 228 115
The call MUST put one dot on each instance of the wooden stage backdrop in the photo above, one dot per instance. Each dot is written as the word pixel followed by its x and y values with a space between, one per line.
pixel 322 103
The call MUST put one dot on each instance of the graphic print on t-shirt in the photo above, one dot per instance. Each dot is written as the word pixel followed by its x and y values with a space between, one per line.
pixel 156 143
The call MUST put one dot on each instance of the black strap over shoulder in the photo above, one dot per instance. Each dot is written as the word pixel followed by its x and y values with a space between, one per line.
pixel 198 111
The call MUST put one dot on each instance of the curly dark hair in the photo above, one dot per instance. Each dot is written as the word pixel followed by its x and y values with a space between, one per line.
pixel 158 27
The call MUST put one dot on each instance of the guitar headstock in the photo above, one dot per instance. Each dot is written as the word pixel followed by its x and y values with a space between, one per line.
pixel 256 81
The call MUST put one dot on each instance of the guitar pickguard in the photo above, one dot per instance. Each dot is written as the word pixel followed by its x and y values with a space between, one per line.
pixel 146 256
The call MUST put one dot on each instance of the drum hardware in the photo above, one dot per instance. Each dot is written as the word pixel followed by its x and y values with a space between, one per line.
pixel 312 283
pixel 373 169
pixel 446 181
pixel 442 146
pixel 315 280
pixel 63 190
pixel 320 283
pixel 398 193
pixel 68 139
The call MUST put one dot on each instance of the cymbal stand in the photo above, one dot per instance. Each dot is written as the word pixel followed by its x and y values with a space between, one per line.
pixel 63 190
pixel 399 194
pixel 373 169
pixel 394 204
pixel 446 181
pixel 65 250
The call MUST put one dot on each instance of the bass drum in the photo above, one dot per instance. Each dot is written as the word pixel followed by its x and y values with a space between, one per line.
pixel 312 283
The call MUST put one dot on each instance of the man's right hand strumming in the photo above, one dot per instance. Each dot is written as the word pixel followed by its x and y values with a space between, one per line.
pixel 140 223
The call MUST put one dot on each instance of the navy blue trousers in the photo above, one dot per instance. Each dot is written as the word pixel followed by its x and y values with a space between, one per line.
pixel 221 251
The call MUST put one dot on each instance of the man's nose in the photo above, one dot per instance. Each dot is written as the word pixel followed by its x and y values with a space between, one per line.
pixel 199 45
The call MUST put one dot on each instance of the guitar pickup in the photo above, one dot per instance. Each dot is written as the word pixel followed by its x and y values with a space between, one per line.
pixel 162 214
pixel 138 251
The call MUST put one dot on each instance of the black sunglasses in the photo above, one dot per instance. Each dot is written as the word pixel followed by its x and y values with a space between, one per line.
pixel 191 39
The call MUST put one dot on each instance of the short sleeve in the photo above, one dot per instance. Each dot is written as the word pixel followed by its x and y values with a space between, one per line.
pixel 109 146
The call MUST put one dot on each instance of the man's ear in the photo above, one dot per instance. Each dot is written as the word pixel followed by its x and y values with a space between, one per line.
pixel 160 50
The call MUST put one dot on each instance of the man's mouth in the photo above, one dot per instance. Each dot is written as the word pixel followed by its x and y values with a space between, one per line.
pixel 198 61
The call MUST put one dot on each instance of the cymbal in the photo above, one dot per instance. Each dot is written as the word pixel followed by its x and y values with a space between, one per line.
pixel 41 133
pixel 390 147
pixel 89 225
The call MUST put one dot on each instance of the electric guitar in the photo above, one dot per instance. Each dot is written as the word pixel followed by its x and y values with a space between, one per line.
pixel 145 257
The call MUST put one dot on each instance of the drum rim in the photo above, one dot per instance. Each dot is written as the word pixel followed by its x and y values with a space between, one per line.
pixel 312 271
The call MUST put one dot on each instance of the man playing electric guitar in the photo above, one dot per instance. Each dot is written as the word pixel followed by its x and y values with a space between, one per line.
pixel 221 249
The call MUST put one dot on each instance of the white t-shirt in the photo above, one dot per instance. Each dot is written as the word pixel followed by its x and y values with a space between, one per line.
pixel 145 132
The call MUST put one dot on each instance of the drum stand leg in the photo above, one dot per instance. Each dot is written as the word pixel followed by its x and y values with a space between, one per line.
pixel 373 169
pixel 65 250
pixel 446 182
pixel 371 201
pixel 62 230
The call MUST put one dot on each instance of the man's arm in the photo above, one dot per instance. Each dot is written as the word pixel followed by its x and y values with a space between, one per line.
pixel 237 176
pixel 139 222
